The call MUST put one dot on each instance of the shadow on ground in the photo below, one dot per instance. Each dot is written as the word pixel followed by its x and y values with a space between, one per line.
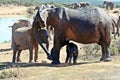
pixel 6 65
pixel 3 50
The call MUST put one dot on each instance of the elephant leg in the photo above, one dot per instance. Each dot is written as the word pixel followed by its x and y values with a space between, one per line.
pixel 105 54
pixel 107 7
pixel 55 55
pixel 36 52
pixel 66 61
pixel 14 56
pixel 70 58
pixel 74 59
pixel 56 50
pixel 18 56
pixel 108 54
pixel 31 55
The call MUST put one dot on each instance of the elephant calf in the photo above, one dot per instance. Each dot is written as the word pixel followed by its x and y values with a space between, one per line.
pixel 72 51
pixel 23 38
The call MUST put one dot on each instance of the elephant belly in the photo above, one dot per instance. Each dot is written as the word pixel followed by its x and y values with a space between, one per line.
pixel 84 38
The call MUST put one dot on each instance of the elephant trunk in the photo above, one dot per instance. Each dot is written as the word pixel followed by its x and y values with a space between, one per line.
pixel 37 37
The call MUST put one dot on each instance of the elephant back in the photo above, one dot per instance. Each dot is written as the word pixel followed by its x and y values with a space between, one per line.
pixel 21 23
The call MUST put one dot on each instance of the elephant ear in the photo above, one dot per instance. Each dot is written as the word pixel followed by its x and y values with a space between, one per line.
pixel 62 13
pixel 44 14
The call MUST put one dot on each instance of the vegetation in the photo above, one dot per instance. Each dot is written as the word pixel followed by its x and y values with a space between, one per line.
pixel 93 51
pixel 9 74
pixel 88 66
pixel 56 2
pixel 18 2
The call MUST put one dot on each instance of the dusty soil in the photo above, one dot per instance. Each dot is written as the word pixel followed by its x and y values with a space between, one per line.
pixel 44 70
pixel 11 10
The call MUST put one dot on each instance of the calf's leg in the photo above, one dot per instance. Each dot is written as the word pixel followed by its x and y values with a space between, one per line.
pixel 18 55
pixel 14 56
pixel 31 55
pixel 36 52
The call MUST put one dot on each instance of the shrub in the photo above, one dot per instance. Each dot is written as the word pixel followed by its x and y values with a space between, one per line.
pixel 91 51
pixel 30 11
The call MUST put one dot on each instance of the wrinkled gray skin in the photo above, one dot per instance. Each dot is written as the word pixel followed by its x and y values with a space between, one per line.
pixel 72 53
pixel 23 38
pixel 86 25
pixel 108 4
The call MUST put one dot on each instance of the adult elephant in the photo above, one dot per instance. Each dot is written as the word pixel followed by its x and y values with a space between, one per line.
pixel 23 38
pixel 86 25
pixel 109 4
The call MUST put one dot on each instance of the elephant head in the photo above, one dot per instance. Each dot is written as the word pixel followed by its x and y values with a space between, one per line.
pixel 37 25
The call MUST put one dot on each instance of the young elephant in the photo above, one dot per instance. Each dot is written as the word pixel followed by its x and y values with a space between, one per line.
pixel 23 38
pixel 72 51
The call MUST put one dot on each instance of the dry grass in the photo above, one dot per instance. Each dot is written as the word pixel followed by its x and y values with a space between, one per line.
pixel 43 70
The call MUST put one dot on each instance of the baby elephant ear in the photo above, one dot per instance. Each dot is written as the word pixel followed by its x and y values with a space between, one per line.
pixel 63 14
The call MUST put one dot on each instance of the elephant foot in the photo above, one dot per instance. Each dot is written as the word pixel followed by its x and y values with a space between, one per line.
pixel 13 61
pixel 55 62
pixel 36 60
pixel 105 59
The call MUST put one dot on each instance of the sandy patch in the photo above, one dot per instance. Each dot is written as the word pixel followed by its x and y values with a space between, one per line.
pixel 13 10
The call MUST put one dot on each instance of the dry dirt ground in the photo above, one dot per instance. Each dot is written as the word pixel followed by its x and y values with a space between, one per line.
pixel 12 10
pixel 43 70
